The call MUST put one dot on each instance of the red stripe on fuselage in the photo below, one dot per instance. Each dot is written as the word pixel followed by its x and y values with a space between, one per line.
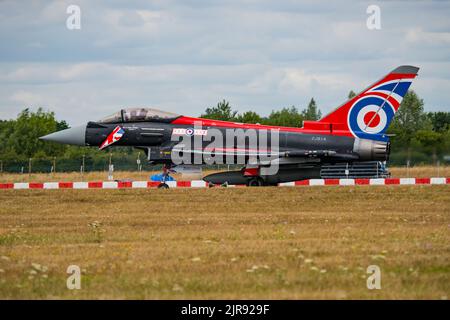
pixel 191 121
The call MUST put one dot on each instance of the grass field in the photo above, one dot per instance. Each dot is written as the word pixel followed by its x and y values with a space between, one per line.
pixel 398 172
pixel 277 243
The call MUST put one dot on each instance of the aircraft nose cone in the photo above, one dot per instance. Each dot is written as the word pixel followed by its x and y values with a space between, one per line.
pixel 75 136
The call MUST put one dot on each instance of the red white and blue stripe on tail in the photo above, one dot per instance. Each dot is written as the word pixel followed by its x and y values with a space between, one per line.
pixel 369 114
pixel 114 136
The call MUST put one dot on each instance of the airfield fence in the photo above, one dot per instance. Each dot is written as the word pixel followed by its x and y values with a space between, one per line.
pixel 85 164
pixel 367 169
pixel 133 163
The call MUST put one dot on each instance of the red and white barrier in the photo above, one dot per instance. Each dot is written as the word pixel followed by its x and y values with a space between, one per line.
pixel 203 184
pixel 372 182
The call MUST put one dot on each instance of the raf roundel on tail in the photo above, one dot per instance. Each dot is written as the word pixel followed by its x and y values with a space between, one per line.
pixel 369 114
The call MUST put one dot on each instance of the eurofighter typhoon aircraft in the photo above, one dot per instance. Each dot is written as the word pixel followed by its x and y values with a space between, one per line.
pixel 353 132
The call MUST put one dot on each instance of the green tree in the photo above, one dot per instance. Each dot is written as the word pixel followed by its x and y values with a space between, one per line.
pixel 28 127
pixel 445 148
pixel 290 117
pixel 222 111
pixel 61 125
pixel 409 118
pixel 351 94
pixel 311 112
pixel 6 130
pixel 249 117
pixel 430 141
pixel 439 120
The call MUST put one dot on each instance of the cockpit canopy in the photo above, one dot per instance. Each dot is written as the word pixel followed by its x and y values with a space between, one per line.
pixel 140 114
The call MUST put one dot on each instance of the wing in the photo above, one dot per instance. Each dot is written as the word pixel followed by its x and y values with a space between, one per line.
pixel 265 157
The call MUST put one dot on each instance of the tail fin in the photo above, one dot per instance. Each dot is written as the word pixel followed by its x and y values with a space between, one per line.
pixel 368 114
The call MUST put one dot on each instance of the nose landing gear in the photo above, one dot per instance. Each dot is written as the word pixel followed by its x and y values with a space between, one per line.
pixel 165 176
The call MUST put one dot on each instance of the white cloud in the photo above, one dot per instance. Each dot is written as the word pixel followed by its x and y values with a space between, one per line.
pixel 187 55
pixel 27 98
pixel 418 36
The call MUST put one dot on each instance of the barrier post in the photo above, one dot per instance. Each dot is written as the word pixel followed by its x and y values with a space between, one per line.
pixel 29 167
pixel 110 168
pixel 82 167
pixel 138 161
pixel 407 168
pixel 438 168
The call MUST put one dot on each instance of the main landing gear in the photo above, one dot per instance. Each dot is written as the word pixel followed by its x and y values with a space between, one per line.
pixel 253 177
pixel 255 182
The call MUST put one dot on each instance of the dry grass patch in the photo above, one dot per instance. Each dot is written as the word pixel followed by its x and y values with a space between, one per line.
pixel 309 242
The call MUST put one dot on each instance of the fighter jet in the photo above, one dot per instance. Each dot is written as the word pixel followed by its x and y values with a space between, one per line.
pixel 353 132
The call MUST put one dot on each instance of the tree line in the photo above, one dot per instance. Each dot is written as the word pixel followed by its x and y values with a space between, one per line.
pixel 417 136
pixel 290 116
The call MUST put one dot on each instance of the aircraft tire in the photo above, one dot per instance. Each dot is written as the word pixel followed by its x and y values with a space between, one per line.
pixel 255 182
pixel 163 186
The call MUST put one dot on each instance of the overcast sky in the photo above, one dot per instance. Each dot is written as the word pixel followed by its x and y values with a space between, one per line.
pixel 183 56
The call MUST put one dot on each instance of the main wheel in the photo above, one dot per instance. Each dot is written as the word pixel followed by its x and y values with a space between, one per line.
pixel 255 182
pixel 163 186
